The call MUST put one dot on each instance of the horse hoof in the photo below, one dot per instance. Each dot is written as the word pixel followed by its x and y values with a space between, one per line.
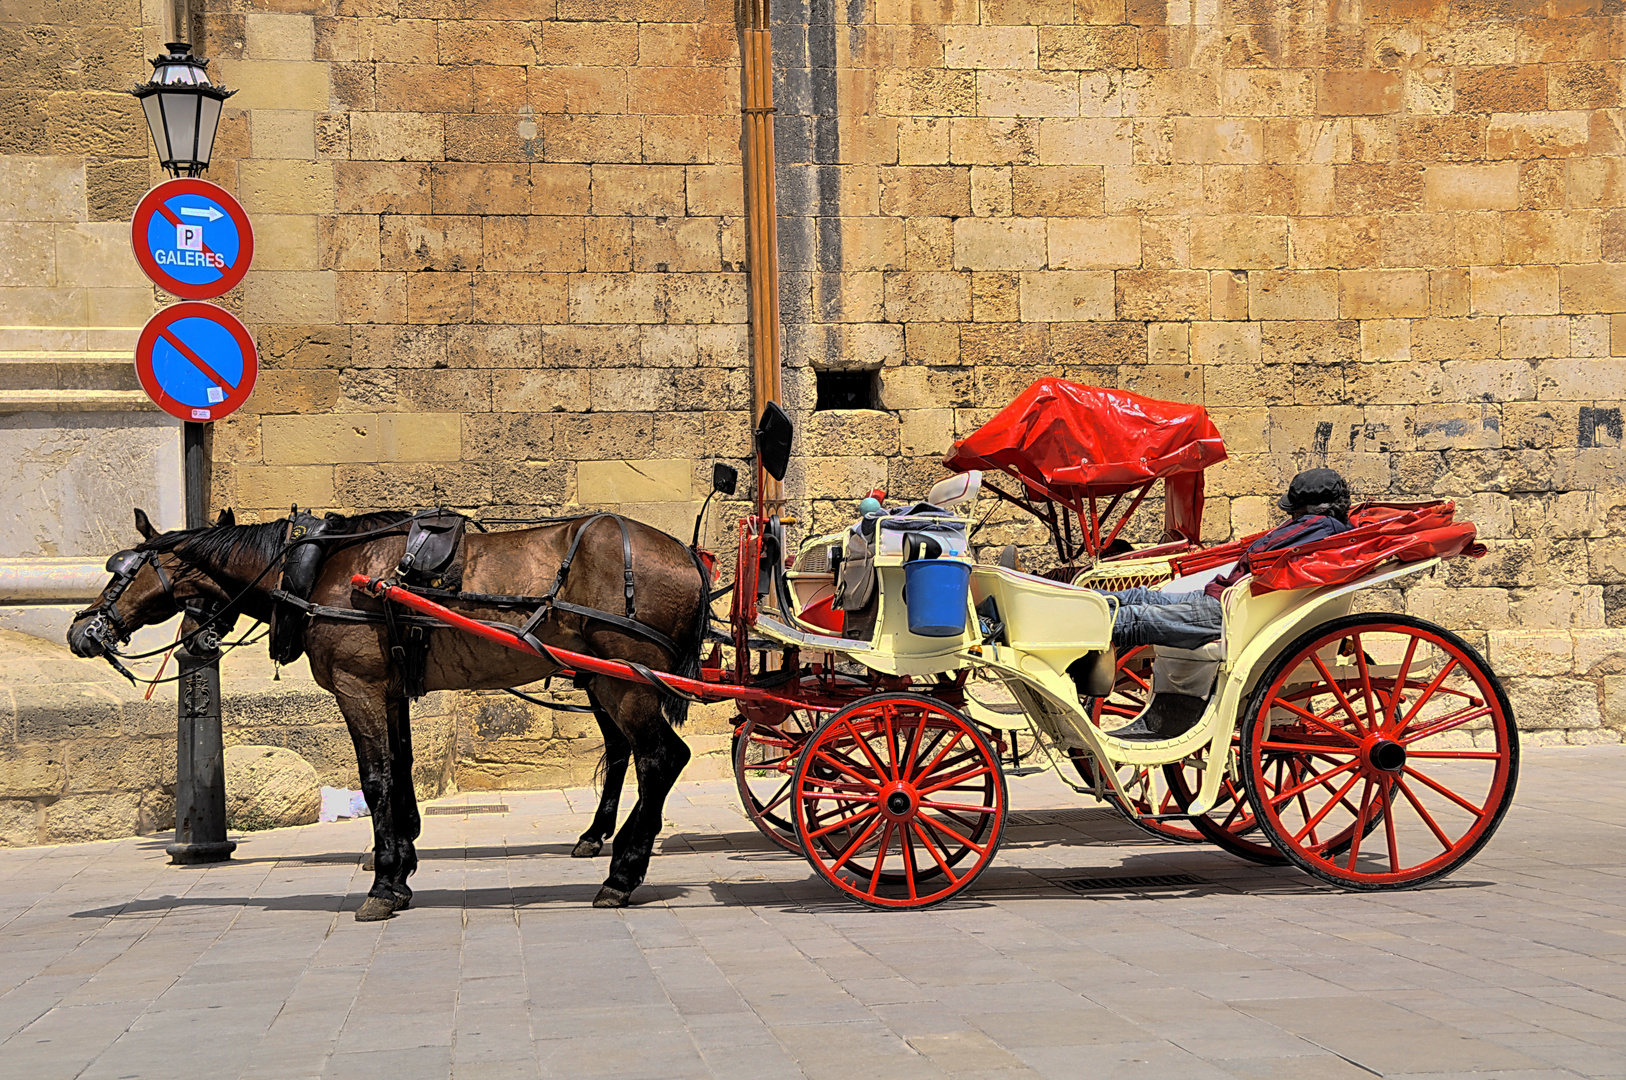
pixel 367 867
pixel 402 900
pixel 375 909
pixel 586 848
pixel 611 898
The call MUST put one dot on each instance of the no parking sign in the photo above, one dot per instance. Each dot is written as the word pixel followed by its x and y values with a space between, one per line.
pixel 192 238
pixel 196 361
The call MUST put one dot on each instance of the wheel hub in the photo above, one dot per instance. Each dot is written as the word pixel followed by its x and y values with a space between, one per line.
pixel 899 801
pixel 1385 755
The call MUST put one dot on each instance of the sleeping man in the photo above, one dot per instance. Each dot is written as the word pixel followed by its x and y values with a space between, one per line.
pixel 1317 502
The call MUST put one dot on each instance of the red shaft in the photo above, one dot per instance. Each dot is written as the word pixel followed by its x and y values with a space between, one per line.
pixel 577 661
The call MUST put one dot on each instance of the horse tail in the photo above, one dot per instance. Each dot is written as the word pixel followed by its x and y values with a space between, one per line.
pixel 688 662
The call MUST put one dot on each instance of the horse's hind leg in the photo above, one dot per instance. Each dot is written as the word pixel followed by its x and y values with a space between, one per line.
pixel 616 752
pixel 659 755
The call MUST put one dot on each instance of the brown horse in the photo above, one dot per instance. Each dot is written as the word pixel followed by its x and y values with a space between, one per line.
pixel 229 570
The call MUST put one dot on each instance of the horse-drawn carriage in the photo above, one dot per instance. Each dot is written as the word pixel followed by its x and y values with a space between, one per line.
pixel 886 680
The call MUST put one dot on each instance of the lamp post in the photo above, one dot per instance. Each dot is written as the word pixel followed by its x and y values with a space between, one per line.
pixel 183 114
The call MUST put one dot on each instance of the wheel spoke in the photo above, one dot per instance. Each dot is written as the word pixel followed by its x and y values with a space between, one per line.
pixel 1422 699
pixel 1387 795
pixel 1428 819
pixel 839 796
pixel 880 857
pixel 942 863
pixel 907 850
pixel 891 746
pixel 1278 797
pixel 1360 825
pixel 1338 693
pixel 1374 717
pixel 820 755
pixel 1476 811
pixel 942 751
pixel 1400 682
pixel 963 807
pixel 1445 723
pixel 1311 717
pixel 863 744
pixel 940 827
pixel 862 815
pixel 852 848
pixel 781 793
pixel 1463 755
pixel 956 779
pixel 1327 809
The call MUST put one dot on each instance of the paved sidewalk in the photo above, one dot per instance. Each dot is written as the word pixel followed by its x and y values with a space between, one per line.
pixel 737 963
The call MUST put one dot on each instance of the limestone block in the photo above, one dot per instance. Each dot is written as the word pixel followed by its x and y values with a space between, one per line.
pixel 1560 607
pixel 1500 381
pixel 1086 48
pixel 1067 295
pixel 1242 241
pixel 990 47
pixel 990 191
pixel 999 244
pixel 1163 295
pixel 1536 337
pixel 19 823
pixel 318 440
pixel 1024 93
pixel 1153 189
pixel 1225 343
pixel 1581 379
pixel 31 769
pixel 1382 294
pixel 998 141
pixel 1556 703
pixel 296 298
pixel 28 254
pixel 420 437
pixel 1600 651
pixel 280 84
pixel 396 136
pixel 377 187
pixel 1599 288
pixel 1356 93
pixel 1094 243
pixel 926 93
pixel 613 482
pixel 1341 242
pixel 640 190
pixel 280 37
pixel 286 187
pixel 1386 339
pixel 1520 290
pixel 849 478
pixel 1086 141
pixel 1293 294
pixel 1458 427
pixel 928 297
pixel 1471 187
pixel 1589 335
pixel 867 432
pixel 276 486
pixel 1460 609
pixel 42 188
pixel 1214 140
pixel 589 138
pixel 269 787
pixel 925 432
pixel 1057 191
pixel 75 819
pixel 1614 702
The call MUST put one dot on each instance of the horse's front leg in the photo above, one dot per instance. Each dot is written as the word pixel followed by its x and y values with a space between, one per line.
pixel 366 713
pixel 404 801
pixel 659 755
pixel 616 752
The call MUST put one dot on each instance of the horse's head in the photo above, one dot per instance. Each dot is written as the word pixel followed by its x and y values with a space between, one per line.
pixel 152 582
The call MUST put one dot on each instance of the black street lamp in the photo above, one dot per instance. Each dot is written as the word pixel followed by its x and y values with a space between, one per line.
pixel 183 109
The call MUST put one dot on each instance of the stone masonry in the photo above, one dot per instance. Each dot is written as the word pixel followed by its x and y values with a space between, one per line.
pixel 501 264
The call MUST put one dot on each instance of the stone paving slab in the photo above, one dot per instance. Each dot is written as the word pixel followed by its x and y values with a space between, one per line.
pixel 736 962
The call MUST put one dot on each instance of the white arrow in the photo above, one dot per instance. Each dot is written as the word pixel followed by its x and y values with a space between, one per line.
pixel 208 212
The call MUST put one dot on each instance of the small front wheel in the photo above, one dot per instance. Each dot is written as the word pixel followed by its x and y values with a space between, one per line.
pixel 1401 750
pixel 899 801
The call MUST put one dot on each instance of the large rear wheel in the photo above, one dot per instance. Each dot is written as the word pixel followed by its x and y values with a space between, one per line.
pixel 1396 734
pixel 899 801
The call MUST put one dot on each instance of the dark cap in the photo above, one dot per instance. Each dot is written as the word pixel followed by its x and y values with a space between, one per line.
pixel 1314 487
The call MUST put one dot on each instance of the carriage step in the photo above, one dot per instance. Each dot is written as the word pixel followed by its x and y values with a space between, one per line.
pixel 1027 770
pixel 1130 883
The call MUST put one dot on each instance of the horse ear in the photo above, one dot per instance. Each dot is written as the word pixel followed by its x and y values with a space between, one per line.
pixel 227 517
pixel 143 526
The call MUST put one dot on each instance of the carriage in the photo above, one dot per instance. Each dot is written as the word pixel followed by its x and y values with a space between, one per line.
pixel 887 681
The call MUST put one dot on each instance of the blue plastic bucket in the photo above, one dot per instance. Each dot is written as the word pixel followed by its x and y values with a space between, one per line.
pixel 937 592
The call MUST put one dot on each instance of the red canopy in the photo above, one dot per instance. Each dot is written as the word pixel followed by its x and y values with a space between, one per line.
pixel 1071 443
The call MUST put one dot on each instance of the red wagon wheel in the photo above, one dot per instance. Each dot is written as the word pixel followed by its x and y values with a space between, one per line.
pixel 899 801
pixel 1395 732
pixel 1230 824
pixel 765 754
pixel 1146 787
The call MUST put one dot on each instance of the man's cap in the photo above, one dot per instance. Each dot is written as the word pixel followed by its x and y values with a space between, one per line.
pixel 1312 487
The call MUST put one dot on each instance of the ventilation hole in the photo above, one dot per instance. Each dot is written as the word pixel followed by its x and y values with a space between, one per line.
pixel 1130 884
pixel 486 808
pixel 846 390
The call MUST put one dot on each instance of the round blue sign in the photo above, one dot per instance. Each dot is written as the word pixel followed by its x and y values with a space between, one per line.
pixel 192 238
pixel 196 361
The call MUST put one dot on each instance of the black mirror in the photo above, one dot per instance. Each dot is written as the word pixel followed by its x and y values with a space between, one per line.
pixel 773 440
pixel 724 478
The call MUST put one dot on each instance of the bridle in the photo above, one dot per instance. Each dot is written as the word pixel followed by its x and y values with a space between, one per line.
pixel 108 630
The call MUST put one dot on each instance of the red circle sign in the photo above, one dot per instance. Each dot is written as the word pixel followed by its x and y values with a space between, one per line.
pixel 196 361
pixel 192 238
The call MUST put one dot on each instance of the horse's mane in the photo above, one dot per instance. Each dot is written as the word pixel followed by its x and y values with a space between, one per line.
pixel 221 542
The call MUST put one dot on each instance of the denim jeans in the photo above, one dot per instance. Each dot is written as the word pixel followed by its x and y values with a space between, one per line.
pixel 1184 620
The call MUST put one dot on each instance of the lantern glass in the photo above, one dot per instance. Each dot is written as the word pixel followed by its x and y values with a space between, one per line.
pixel 181 125
pixel 155 123
pixel 208 124
pixel 183 110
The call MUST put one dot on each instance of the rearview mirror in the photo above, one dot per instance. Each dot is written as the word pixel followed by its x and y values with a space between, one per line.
pixel 774 435
pixel 724 478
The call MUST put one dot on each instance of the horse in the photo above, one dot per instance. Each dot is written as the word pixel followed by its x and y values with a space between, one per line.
pixel 214 574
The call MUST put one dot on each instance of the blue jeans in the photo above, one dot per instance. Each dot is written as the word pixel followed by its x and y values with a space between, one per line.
pixel 1184 620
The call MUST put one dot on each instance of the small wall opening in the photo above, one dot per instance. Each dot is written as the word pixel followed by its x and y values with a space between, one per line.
pixel 847 390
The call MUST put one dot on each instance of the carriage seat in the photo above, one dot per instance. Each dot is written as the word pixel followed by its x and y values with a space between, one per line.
pixel 1190 672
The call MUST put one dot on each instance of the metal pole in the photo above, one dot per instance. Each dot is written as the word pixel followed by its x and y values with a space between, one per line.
pixel 200 768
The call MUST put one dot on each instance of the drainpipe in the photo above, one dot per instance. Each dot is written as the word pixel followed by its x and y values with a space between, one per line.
pixel 756 53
